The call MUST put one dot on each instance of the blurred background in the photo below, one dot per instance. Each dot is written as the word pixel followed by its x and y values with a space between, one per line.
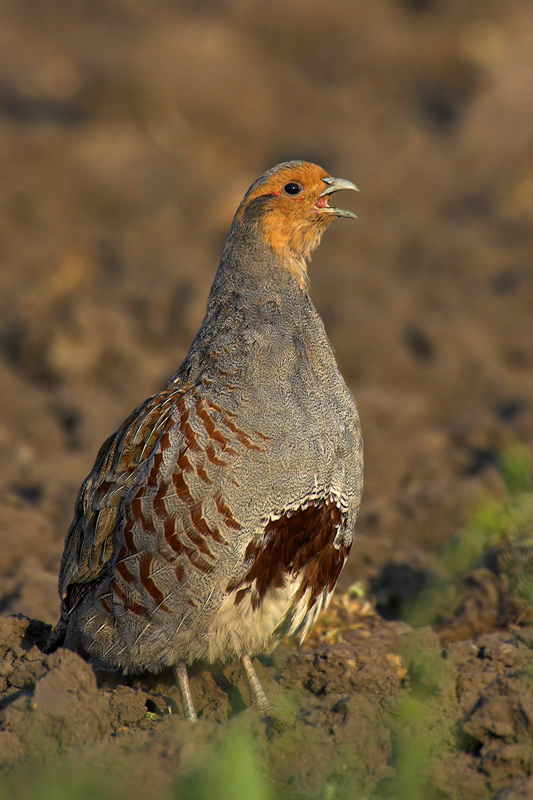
pixel 129 132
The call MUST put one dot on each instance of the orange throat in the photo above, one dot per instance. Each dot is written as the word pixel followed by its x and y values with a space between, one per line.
pixel 293 243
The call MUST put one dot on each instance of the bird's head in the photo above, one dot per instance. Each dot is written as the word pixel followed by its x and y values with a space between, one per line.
pixel 290 206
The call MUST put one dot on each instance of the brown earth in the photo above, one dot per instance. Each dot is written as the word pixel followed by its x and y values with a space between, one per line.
pixel 388 713
pixel 128 134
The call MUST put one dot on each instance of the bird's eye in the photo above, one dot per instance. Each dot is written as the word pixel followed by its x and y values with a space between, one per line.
pixel 293 188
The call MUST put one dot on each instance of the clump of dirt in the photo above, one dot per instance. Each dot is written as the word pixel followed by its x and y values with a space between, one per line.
pixel 49 705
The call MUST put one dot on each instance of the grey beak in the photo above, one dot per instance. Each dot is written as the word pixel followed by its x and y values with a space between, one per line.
pixel 336 185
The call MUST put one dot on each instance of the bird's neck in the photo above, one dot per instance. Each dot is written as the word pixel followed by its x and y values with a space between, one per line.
pixel 250 265
pixel 254 296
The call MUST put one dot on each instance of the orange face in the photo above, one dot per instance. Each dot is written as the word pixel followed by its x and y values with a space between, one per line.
pixel 291 205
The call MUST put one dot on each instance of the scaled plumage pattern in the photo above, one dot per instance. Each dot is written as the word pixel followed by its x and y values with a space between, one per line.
pixel 217 519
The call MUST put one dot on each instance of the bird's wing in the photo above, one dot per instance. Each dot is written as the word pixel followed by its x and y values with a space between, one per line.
pixel 154 492
pixel 120 465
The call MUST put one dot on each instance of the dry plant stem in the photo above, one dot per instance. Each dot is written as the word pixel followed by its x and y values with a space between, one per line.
pixel 258 696
pixel 185 690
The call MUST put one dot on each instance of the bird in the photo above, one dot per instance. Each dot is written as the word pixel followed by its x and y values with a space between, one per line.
pixel 217 519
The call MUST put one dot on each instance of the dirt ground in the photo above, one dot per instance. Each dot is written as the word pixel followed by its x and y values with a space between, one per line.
pixel 128 134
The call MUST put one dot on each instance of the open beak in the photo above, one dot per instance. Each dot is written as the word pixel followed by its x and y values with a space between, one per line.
pixel 335 185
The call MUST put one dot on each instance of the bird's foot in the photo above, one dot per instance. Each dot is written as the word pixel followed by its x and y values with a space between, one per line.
pixel 259 697
pixel 185 691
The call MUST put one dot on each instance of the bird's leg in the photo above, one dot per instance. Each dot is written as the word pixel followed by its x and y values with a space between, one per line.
pixel 258 696
pixel 185 691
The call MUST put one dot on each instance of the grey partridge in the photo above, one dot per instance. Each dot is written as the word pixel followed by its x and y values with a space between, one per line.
pixel 217 519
